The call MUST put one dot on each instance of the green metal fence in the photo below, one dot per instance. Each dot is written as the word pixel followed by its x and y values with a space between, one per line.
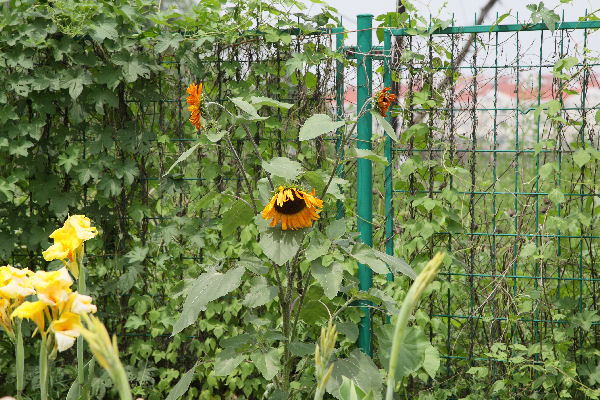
pixel 497 162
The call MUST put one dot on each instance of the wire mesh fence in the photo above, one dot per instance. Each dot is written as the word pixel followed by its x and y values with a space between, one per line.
pixel 497 163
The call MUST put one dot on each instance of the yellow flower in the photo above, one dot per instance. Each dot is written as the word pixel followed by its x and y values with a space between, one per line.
pixel 66 330
pixel 295 208
pixel 5 322
pixel 54 287
pixel 82 226
pixel 80 304
pixel 33 311
pixel 15 283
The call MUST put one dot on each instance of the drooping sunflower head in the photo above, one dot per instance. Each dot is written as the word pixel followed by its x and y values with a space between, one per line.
pixel 385 100
pixel 295 208
pixel 195 101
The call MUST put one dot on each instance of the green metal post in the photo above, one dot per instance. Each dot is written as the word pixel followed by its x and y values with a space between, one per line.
pixel 389 209
pixel 364 201
pixel 339 105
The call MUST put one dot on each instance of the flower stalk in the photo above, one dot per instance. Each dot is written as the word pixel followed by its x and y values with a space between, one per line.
pixel 43 369
pixel 82 289
pixel 323 354
pixel 423 279
pixel 20 358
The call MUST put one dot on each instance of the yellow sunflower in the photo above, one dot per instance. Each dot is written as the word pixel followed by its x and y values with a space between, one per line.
pixel 195 101
pixel 293 207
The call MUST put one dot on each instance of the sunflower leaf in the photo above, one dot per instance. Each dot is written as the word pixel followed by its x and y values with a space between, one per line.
pixel 280 246
pixel 247 108
pixel 239 214
pixel 318 125
pixel 183 385
pixel 266 101
pixel 283 167
pixel 206 288
pixel 330 277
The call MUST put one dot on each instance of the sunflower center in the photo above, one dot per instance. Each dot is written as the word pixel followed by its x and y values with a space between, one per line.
pixel 290 206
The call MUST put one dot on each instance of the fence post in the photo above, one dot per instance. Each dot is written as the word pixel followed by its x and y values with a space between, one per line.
pixel 364 179
pixel 389 209
pixel 339 105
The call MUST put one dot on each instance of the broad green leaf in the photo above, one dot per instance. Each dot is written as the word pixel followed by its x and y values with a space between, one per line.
pixel 412 350
pixel 104 27
pixel 182 157
pixel 129 277
pixel 349 391
pixel 369 155
pixel 267 363
pixel 266 101
pixel 553 107
pixel 336 229
pixel 183 385
pixel 348 329
pixel 319 246
pixel 431 363
pixel 137 255
pixel 253 264
pixel 547 170
pixel 581 157
pixel 386 125
pixel 226 361
pixel 499 20
pixel 206 288
pixel 359 368
pixel 280 246
pixel 597 117
pixel 329 277
pixel 302 349
pixel 283 167
pixel 556 196
pixel 318 125
pixel 528 250
pixel 260 293
pixel 247 108
pixel 239 214
pixel 396 264
pixel 365 255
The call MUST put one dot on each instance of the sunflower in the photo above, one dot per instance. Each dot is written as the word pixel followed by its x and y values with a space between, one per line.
pixel 385 100
pixel 295 208
pixel 195 101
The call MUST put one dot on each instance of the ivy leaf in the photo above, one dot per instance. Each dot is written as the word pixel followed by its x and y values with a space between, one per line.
pixel 267 363
pixel 283 167
pixel 556 196
pixel 239 214
pixel 369 155
pixel 129 277
pixel 137 255
pixel 365 255
pixel 75 79
pixel 132 66
pixel 540 13
pixel 386 125
pixel 330 277
pixel 226 361
pixel 581 157
pixel 294 63
pixel 206 288
pixel 104 28
pixel 266 101
pixel 247 108
pixel 183 385
pixel 318 125
pixel 280 246
pixel 167 40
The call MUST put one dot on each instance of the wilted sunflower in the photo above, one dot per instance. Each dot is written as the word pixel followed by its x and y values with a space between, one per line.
pixel 295 208
pixel 385 100
pixel 195 101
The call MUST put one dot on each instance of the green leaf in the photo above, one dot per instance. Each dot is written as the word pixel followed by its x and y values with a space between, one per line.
pixel 267 363
pixel 283 167
pixel 238 215
pixel 260 293
pixel 104 28
pixel 330 277
pixel 349 391
pixel 226 361
pixel 129 277
pixel 431 363
pixel 247 108
pixel 348 329
pixel 266 101
pixel 412 349
pixel 319 246
pixel 540 13
pixel 281 246
pixel 75 79
pixel 137 255
pixel 206 288
pixel 359 368
pixel 386 125
pixel 499 20
pixel 369 155
pixel 336 229
pixel 302 349
pixel 553 107
pixel 396 264
pixel 597 117
pixel 318 125
pixel 556 196
pixel 547 170
pixel 528 250
pixel 183 385
pixel 182 157
pixel 365 255
pixel 581 157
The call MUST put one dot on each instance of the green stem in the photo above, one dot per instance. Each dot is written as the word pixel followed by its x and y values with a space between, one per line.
pixel 425 277
pixel 20 356
pixel 43 369
pixel 80 365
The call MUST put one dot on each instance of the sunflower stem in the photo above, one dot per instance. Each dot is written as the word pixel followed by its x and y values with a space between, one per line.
pixel 82 289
